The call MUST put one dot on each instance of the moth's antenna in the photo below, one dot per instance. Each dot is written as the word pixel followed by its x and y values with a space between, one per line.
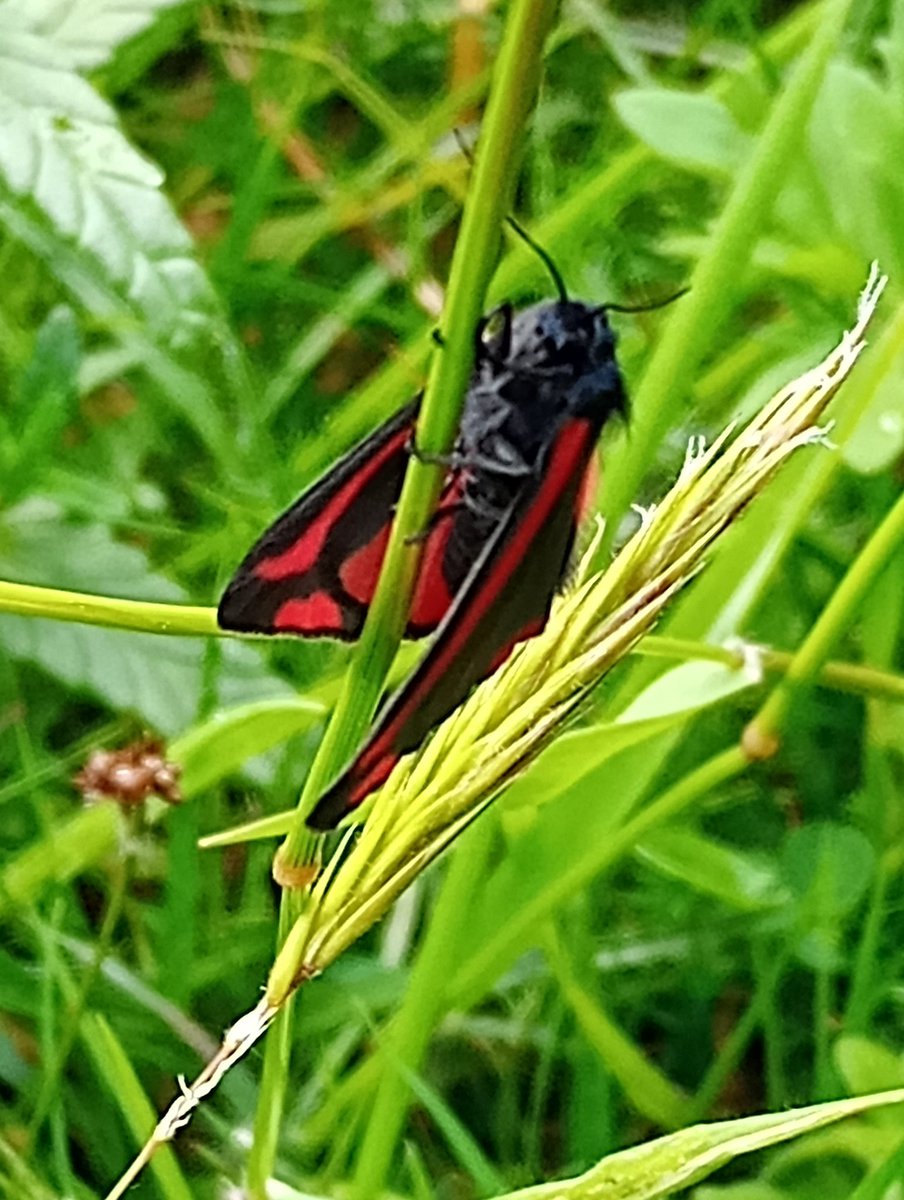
pixel 544 256
pixel 639 308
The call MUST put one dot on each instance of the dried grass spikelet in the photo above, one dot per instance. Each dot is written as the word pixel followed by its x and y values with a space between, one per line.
pixel 433 794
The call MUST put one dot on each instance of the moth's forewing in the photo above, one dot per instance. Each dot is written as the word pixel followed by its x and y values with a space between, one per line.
pixel 505 599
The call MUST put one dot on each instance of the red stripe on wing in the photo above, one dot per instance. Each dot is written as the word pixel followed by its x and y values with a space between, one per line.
pixel 433 595
pixel 456 658
pixel 304 552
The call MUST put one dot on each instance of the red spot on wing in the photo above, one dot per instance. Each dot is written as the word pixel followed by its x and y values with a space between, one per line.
pixel 360 571
pixel 308 615
pixel 304 552
pixel 432 597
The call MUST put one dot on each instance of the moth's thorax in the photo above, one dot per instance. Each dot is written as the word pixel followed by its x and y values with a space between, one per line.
pixel 549 363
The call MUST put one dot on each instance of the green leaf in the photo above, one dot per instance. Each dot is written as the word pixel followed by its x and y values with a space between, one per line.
pixel 746 881
pixel 829 867
pixel 221 744
pixel 866 1065
pixel 672 699
pixel 112 1065
pixel 63 152
pixel 685 690
pixel 696 131
pixel 159 678
pixel 672 1163
pixel 876 444
pixel 853 123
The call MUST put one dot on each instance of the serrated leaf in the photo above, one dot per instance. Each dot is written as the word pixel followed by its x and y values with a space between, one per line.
pixel 86 31
pixel 61 150
pixel 670 1164
pixel 38 545
pixel 159 678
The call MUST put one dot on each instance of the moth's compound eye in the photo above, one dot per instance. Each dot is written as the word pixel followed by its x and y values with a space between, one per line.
pixel 493 326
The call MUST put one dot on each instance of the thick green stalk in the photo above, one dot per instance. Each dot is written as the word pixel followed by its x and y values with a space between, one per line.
pixel 511 98
pixel 689 332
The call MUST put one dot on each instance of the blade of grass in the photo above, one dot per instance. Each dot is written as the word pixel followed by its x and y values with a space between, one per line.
pixel 648 1088
pixel 673 1163
pixel 112 1063
pixel 407 1037
pixel 511 98
pixel 689 331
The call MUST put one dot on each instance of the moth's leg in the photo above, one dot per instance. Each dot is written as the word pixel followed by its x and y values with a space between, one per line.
pixel 452 462
pixel 440 514
pixel 515 468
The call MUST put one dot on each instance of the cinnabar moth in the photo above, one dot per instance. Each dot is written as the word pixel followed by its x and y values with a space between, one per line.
pixel 545 381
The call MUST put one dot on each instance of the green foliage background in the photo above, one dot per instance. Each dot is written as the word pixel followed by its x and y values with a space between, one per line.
pixel 220 227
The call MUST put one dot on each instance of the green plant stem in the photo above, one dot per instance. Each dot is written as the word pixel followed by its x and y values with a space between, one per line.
pixel 425 1000
pixel 843 676
pixel 722 767
pixel 832 622
pixel 690 330
pixel 511 98
pixel 489 199
pixel 141 616
pixel 185 620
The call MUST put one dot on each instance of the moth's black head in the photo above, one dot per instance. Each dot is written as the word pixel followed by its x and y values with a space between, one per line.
pixel 567 348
